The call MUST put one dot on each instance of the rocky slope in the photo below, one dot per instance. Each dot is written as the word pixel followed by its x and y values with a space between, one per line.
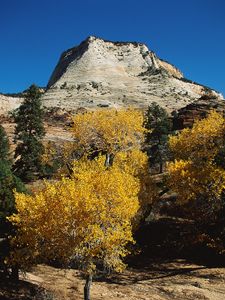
pixel 8 103
pixel 100 73
pixel 199 109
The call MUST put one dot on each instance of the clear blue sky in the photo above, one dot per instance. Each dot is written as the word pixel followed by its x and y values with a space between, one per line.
pixel 33 33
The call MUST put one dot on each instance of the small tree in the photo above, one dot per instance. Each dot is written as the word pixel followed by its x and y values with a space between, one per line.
pixel 196 174
pixel 108 132
pixel 158 124
pixel 86 218
pixel 28 134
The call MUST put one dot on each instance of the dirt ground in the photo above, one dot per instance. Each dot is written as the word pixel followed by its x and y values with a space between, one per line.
pixel 176 279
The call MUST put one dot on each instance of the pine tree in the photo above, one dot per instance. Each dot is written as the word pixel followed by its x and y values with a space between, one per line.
pixel 8 183
pixel 29 132
pixel 158 124
pixel 4 145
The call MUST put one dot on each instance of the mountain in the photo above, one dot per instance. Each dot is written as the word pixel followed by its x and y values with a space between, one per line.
pixel 100 73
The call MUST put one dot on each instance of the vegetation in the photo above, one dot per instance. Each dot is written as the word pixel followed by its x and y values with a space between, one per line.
pixel 194 174
pixel 197 175
pixel 88 217
pixel 8 183
pixel 108 131
pixel 67 222
pixel 158 127
pixel 4 146
pixel 28 134
pixel 105 132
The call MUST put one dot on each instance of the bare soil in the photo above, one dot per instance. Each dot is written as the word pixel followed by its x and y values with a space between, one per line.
pixel 176 279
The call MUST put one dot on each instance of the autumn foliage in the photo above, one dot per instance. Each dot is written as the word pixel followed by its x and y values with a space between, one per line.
pixel 105 132
pixel 195 174
pixel 87 216
pixel 109 130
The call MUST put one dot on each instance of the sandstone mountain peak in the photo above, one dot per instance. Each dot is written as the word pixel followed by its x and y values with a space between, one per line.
pixel 101 73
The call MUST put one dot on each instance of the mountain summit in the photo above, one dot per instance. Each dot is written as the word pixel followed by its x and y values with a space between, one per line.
pixel 100 73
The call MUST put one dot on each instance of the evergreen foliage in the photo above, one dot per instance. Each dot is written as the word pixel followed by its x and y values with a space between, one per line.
pixel 4 145
pixel 8 183
pixel 28 133
pixel 158 127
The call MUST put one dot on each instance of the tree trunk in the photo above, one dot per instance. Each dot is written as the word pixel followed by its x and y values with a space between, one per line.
pixel 109 159
pixel 160 167
pixel 15 273
pixel 5 270
pixel 87 288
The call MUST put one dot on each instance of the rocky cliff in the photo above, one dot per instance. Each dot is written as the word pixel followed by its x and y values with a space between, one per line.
pixel 8 103
pixel 199 109
pixel 100 73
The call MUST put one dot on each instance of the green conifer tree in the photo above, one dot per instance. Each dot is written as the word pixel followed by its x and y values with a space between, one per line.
pixel 29 132
pixel 159 124
pixel 4 145
pixel 8 183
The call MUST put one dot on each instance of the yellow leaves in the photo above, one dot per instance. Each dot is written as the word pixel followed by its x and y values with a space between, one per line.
pixel 132 162
pixel 191 181
pixel 194 174
pixel 200 141
pixel 89 214
pixel 108 130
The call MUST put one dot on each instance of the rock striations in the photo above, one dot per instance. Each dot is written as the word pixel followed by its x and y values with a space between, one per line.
pixel 9 103
pixel 100 73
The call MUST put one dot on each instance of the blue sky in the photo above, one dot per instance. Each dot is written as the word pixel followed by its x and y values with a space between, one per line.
pixel 33 33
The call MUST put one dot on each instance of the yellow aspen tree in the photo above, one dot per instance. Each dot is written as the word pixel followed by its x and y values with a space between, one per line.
pixel 108 131
pixel 135 162
pixel 201 142
pixel 195 173
pixel 105 132
pixel 85 218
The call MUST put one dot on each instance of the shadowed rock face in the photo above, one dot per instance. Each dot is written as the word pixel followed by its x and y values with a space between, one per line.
pixel 100 73
pixel 197 110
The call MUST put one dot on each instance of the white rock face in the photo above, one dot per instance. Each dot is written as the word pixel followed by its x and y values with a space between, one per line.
pixel 101 73
pixel 8 103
